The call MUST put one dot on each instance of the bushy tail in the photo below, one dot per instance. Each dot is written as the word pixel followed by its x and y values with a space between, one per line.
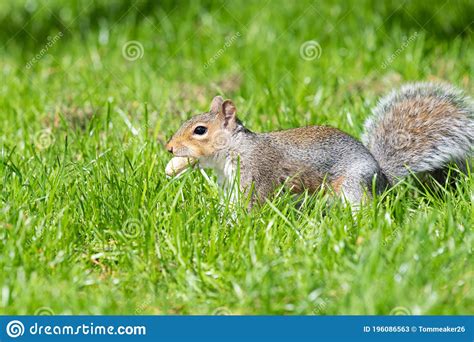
pixel 421 128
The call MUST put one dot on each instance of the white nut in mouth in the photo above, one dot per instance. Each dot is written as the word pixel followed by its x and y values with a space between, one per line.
pixel 177 165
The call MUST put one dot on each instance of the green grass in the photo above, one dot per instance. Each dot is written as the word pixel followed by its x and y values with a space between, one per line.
pixel 89 224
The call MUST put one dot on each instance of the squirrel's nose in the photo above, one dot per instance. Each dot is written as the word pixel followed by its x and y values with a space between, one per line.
pixel 170 149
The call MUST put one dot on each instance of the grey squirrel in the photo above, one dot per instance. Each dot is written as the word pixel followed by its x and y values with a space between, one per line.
pixel 420 128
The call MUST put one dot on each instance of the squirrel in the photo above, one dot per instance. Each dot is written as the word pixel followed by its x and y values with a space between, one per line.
pixel 420 128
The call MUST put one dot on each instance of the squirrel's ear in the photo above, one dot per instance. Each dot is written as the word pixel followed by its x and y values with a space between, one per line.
pixel 228 112
pixel 216 104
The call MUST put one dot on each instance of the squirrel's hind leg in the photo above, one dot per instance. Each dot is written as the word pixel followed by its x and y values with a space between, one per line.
pixel 354 192
pixel 355 186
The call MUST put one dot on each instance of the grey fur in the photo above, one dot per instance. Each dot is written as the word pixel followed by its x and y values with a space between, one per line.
pixel 304 157
pixel 420 128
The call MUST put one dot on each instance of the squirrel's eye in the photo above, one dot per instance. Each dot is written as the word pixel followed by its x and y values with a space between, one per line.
pixel 200 130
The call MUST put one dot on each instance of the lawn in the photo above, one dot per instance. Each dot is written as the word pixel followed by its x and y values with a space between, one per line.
pixel 90 224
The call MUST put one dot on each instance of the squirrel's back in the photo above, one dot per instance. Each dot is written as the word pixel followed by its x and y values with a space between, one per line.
pixel 420 128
